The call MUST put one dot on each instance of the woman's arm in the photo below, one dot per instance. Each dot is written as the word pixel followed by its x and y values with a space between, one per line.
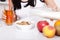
pixel 51 4
pixel 12 7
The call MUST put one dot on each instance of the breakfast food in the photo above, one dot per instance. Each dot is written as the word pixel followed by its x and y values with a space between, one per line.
pixel 41 24
pixel 9 17
pixel 23 23
pixel 57 27
pixel 49 31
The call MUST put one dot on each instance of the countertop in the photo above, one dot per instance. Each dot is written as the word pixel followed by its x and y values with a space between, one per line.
pixel 13 33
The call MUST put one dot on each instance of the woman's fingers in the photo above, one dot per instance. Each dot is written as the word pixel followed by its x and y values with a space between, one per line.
pixel 3 17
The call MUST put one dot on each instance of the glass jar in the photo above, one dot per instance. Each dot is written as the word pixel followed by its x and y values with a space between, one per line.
pixel 9 17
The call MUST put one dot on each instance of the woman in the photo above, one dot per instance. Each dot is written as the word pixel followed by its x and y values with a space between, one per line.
pixel 17 3
pixel 49 3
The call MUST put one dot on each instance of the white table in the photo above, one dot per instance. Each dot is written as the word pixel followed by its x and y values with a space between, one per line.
pixel 12 33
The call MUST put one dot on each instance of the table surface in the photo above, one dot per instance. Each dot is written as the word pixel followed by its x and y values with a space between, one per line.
pixel 13 33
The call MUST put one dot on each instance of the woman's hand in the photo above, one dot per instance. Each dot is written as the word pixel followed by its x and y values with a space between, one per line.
pixel 4 17
pixel 14 16
pixel 51 4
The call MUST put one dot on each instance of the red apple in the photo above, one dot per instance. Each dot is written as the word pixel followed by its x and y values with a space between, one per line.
pixel 41 24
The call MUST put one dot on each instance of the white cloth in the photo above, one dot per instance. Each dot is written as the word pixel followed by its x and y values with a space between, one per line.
pixel 24 11
pixel 39 3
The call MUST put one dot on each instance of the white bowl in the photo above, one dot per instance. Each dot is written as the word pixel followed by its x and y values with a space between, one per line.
pixel 24 27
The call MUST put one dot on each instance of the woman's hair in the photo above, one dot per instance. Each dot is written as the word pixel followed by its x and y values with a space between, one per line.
pixel 42 0
pixel 17 3
pixel 31 3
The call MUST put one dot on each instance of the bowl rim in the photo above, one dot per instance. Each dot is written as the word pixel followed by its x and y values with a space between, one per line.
pixel 30 21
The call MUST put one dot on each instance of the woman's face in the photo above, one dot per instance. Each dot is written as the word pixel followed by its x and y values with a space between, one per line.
pixel 24 0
